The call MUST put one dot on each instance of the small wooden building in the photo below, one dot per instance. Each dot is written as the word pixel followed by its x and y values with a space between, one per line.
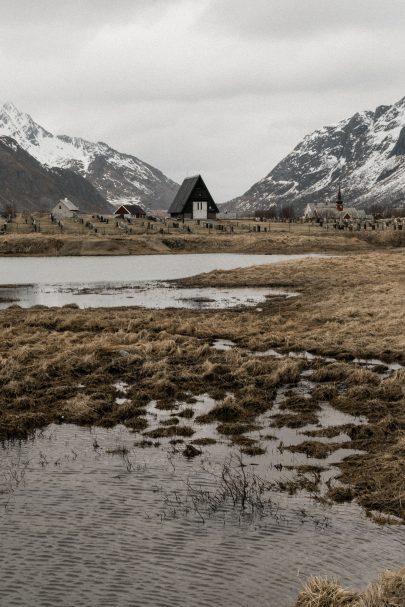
pixel 193 201
pixel 130 211
pixel 64 209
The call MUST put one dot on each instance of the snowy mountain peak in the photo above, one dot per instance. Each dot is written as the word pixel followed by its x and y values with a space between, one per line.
pixel 121 178
pixel 365 154
pixel 20 126
pixel 9 108
pixel 27 185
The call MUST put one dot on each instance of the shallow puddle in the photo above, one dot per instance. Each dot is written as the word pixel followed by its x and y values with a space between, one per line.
pixel 278 440
pixel 152 295
pixel 201 405
pixel 223 344
pixel 369 363
pixel 138 280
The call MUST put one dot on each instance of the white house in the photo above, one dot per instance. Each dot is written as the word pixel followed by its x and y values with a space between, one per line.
pixel 64 208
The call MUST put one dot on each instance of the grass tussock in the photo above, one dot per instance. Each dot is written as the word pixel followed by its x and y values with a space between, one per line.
pixel 387 591
pixel 253 450
pixel 315 449
pixel 379 478
pixel 204 441
pixel 169 431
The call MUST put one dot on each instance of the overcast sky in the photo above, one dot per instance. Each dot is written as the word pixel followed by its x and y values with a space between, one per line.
pixel 225 88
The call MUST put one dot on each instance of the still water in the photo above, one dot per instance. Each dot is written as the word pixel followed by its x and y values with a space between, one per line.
pixel 113 281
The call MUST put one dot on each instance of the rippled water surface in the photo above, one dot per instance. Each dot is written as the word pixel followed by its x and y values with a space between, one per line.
pixel 125 280
pixel 85 523
pixel 102 518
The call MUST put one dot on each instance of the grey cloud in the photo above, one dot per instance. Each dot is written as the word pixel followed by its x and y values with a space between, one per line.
pixel 302 18
pixel 81 14
pixel 224 87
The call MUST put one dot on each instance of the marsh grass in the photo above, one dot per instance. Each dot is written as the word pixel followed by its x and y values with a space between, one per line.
pixel 253 450
pixel 387 591
pixel 315 449
pixel 235 484
pixel 204 441
pixel 165 356
pixel 121 450
pixel 169 431
pixel 293 420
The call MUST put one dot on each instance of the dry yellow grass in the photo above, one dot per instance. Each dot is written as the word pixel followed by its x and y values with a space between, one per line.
pixel 64 363
pixel 97 244
pixel 387 591
pixel 351 305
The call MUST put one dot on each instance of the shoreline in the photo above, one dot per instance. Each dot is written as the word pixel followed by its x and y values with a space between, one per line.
pixel 43 245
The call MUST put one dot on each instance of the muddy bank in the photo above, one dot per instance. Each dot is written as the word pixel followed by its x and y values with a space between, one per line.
pixel 270 243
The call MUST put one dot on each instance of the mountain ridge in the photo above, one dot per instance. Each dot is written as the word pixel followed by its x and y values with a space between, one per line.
pixel 364 154
pixel 121 178
pixel 27 185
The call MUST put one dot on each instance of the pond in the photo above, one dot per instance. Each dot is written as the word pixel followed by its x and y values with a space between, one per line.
pixel 92 518
pixel 139 280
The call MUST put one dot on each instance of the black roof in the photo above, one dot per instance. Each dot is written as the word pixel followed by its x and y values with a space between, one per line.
pixel 133 209
pixel 184 193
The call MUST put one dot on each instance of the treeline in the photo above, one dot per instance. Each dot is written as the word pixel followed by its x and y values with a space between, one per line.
pixel 286 212
pixel 384 211
pixel 282 213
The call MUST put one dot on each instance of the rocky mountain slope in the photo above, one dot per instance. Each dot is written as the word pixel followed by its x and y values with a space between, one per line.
pixel 27 185
pixel 365 154
pixel 118 177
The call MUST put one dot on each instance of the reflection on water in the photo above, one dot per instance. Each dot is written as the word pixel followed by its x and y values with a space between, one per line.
pixel 113 281
pixel 87 269
pixel 86 527
pixel 147 294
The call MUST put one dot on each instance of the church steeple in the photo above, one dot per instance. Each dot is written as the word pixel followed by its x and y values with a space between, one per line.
pixel 339 201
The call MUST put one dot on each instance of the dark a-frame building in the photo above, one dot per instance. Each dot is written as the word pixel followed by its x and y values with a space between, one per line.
pixel 193 201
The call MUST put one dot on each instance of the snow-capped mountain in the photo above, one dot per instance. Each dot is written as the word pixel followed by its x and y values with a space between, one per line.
pixel 120 178
pixel 27 185
pixel 365 154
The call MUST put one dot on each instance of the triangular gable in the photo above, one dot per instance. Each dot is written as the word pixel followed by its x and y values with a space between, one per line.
pixel 129 209
pixel 185 193
pixel 122 210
